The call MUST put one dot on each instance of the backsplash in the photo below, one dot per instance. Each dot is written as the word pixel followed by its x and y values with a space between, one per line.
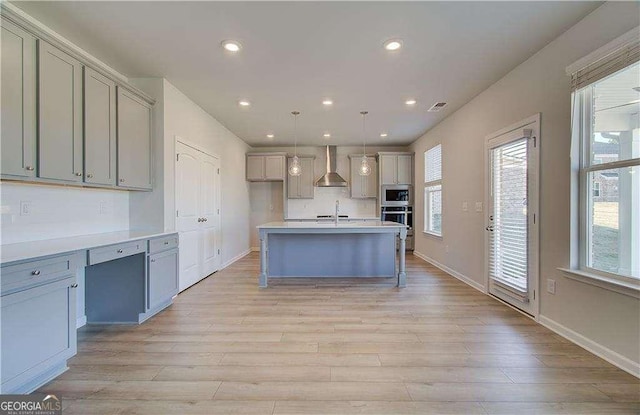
pixel 34 212
pixel 324 203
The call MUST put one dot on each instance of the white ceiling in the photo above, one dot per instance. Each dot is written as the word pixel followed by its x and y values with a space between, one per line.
pixel 295 54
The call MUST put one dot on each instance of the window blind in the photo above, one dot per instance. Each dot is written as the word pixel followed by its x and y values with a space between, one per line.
pixel 433 164
pixel 610 64
pixel 508 241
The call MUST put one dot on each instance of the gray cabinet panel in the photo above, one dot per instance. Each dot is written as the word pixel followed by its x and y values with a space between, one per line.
pixel 301 187
pixel 363 187
pixel 25 275
pixel 60 115
pixel 134 141
pixel 18 104
pixel 388 169
pixel 163 277
pixel 274 168
pixel 109 253
pixel 38 333
pixel 405 170
pixel 255 168
pixel 163 244
pixel 99 129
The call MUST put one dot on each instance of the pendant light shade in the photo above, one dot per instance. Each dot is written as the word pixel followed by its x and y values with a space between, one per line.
pixel 295 169
pixel 365 167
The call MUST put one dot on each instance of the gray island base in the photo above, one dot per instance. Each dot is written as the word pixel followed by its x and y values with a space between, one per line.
pixel 347 250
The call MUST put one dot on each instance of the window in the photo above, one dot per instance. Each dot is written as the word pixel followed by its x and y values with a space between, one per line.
pixel 433 190
pixel 607 127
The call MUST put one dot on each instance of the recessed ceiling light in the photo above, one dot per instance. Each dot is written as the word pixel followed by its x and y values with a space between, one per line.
pixel 244 103
pixel 383 135
pixel 270 136
pixel 411 102
pixel 327 102
pixel 326 135
pixel 231 45
pixel 393 44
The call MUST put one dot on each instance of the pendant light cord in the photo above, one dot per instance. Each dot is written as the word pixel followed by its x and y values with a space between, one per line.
pixel 364 134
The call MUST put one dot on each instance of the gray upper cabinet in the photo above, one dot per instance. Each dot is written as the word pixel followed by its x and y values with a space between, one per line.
pixel 262 167
pixel 18 105
pixel 396 168
pixel 363 187
pixel 301 187
pixel 60 115
pixel 134 141
pixel 99 129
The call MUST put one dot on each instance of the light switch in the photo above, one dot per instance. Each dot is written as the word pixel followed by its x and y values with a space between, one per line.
pixel 551 286
pixel 25 208
pixel 465 206
pixel 478 206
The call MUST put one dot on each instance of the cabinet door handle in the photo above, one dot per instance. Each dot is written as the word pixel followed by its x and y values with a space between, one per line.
pixel 166 242
pixel 153 260
pixel 120 251
pixel 36 272
pixel 78 174
pixel 89 175
pixel 29 168
pixel 74 285
pixel 121 180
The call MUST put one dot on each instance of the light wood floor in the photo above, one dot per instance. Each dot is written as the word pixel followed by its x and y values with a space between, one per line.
pixel 338 347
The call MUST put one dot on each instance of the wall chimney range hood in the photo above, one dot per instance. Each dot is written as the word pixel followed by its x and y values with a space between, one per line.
pixel 331 178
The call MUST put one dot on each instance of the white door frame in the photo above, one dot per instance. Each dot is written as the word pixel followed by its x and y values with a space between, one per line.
pixel 533 205
pixel 178 139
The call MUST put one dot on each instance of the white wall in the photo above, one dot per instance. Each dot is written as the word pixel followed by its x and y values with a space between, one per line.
pixel 60 211
pixel 176 115
pixel 605 318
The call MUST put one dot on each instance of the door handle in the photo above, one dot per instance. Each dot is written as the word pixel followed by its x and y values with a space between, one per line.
pixel 489 228
pixel 204 219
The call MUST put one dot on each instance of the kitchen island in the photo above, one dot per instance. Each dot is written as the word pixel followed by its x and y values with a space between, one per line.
pixel 345 249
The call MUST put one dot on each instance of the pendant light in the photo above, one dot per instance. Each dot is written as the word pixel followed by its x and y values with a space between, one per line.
pixel 295 169
pixel 365 168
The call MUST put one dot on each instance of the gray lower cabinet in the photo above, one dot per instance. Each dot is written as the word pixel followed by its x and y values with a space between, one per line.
pixel 163 278
pixel 134 141
pixel 99 129
pixel 363 187
pixel 38 324
pixel 60 115
pixel 301 187
pixel 18 104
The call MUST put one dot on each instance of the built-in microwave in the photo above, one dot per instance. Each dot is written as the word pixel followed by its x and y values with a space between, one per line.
pixel 397 195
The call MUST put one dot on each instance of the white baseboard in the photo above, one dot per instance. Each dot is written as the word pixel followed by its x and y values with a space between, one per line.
pixel 236 258
pixel 599 350
pixel 255 249
pixel 81 322
pixel 452 272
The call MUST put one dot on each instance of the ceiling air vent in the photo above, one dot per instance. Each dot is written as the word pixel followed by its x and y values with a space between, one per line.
pixel 437 106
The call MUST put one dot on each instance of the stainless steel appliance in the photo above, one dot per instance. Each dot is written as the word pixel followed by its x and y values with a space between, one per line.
pixel 331 178
pixel 396 195
pixel 403 215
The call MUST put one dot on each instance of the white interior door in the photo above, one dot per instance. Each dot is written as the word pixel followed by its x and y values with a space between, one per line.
pixel 512 236
pixel 198 213
pixel 210 212
pixel 188 214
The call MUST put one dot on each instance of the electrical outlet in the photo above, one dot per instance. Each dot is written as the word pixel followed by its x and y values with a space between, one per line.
pixel 25 208
pixel 551 286
pixel 465 206
pixel 478 206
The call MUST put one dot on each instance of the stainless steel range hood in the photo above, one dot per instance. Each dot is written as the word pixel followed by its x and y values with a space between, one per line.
pixel 331 178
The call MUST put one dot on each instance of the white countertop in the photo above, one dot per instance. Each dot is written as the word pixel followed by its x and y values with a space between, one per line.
pixel 354 218
pixel 35 249
pixel 330 224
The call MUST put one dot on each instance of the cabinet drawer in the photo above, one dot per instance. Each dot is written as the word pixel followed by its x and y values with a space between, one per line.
pixel 162 244
pixel 33 273
pixel 112 252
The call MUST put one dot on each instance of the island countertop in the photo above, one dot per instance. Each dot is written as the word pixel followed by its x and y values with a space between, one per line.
pixel 345 226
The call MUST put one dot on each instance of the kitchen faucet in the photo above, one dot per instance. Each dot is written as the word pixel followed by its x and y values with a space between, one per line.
pixel 337 210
